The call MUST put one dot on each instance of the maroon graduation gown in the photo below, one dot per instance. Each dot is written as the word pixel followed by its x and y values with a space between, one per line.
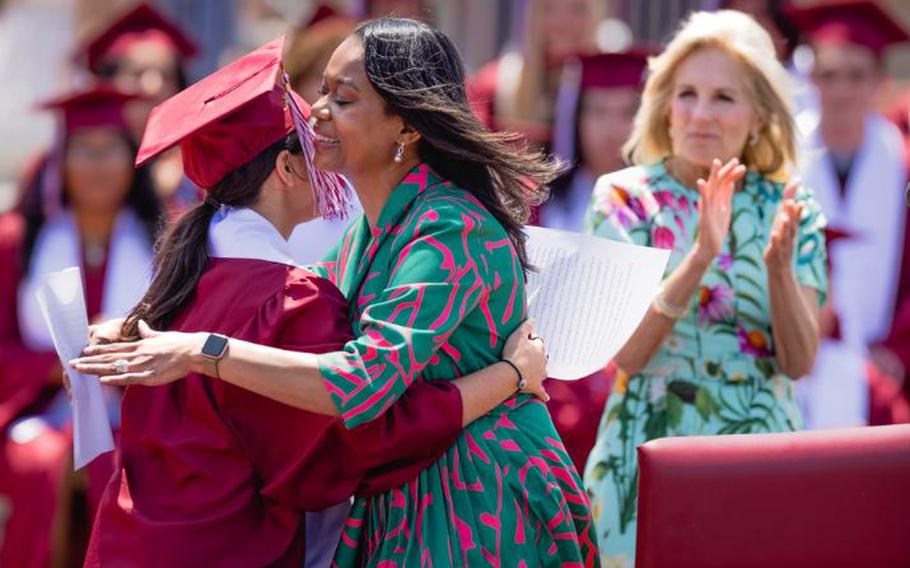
pixel 888 405
pixel 23 372
pixel 576 408
pixel 211 473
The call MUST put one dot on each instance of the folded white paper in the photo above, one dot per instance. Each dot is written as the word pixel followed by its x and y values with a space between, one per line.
pixel 588 296
pixel 62 304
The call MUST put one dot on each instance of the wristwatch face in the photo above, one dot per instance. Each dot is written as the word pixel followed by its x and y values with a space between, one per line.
pixel 215 346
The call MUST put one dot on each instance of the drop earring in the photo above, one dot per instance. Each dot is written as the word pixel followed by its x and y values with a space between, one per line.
pixel 399 153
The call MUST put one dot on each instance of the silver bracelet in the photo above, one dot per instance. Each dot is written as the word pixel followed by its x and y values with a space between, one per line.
pixel 666 309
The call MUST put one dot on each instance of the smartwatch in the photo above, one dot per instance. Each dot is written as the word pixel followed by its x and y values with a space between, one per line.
pixel 215 348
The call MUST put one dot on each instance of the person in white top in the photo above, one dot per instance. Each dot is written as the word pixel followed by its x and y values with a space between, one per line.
pixel 854 160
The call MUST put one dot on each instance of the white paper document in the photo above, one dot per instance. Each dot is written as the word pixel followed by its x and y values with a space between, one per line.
pixel 588 296
pixel 62 304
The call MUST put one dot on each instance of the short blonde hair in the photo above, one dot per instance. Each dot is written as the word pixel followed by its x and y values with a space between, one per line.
pixel 767 86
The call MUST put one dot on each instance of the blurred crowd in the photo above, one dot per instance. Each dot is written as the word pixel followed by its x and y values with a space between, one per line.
pixel 80 78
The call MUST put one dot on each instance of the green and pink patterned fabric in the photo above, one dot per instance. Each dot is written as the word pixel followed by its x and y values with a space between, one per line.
pixel 435 288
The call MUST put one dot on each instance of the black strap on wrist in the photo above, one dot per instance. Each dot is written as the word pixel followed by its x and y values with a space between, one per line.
pixel 522 383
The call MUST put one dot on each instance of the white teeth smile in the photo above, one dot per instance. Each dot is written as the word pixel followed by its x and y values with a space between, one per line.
pixel 325 139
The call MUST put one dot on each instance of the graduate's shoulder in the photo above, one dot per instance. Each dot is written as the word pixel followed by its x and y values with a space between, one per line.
pixel 272 295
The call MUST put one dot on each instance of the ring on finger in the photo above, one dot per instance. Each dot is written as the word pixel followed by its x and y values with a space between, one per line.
pixel 122 366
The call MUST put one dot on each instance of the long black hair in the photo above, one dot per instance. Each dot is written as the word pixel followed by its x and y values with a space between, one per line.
pixel 141 198
pixel 182 252
pixel 418 72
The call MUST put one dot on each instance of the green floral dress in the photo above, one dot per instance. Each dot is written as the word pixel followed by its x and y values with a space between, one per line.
pixel 716 373
pixel 435 289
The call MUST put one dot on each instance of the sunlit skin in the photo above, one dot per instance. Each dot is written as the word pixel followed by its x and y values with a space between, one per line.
pixel 604 124
pixel 848 79
pixel 710 115
pixel 355 133
pixel 287 197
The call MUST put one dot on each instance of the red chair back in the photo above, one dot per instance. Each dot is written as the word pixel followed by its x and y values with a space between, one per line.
pixel 829 499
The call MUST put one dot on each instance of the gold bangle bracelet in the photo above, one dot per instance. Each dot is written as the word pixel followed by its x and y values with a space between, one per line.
pixel 667 309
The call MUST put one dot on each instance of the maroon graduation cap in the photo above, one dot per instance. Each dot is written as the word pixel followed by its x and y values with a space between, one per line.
pixel 142 23
pixel 228 118
pixel 859 22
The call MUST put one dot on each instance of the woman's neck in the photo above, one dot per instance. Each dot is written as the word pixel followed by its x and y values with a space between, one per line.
pixel 95 226
pixel 686 173
pixel 374 188
pixel 284 212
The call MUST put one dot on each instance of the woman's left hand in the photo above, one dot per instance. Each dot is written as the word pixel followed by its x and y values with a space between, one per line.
pixel 525 349
pixel 157 358
pixel 779 252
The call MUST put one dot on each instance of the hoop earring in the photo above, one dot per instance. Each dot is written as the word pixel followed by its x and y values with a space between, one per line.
pixel 399 153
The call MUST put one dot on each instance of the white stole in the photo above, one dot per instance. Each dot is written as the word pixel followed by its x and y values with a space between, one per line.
pixel 126 279
pixel 244 233
pixel 240 232
pixel 865 266
pixel 58 246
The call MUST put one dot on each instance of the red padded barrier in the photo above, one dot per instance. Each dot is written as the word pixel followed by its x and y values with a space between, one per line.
pixel 804 499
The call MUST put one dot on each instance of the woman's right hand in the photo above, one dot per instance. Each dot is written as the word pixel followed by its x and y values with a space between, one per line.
pixel 526 350
pixel 715 208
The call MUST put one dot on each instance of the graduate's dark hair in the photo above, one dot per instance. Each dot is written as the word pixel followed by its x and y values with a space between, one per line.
pixel 418 72
pixel 141 197
pixel 182 254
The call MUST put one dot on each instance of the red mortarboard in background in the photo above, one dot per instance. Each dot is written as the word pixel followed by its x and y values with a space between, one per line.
pixel 99 106
pixel 141 23
pixel 860 22
pixel 609 70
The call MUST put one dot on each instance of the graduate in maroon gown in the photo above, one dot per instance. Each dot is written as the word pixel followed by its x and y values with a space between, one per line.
pixel 145 52
pixel 598 98
pixel 854 160
pixel 213 473
pixel 86 206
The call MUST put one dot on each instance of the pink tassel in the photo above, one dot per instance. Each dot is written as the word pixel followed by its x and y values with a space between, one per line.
pixel 332 191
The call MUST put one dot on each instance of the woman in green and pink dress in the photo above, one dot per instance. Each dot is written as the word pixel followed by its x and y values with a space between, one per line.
pixel 434 275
